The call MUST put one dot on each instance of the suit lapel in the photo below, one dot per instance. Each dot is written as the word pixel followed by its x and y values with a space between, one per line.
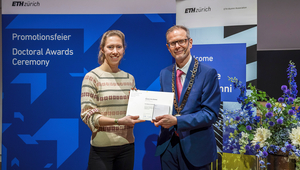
pixel 187 80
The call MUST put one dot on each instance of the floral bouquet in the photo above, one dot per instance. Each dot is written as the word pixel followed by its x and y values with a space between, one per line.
pixel 274 129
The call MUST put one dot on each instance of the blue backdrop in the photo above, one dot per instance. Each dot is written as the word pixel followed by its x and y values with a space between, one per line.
pixel 42 128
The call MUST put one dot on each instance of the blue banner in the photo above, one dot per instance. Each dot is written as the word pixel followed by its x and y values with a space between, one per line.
pixel 45 58
pixel 229 60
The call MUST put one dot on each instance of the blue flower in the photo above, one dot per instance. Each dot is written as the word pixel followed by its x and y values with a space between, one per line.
pixel 290 99
pixel 265 153
pixel 249 127
pixel 283 149
pixel 247 147
pixel 269 114
pixel 292 73
pixel 260 153
pixel 287 91
pixel 280 99
pixel 257 119
pixel 262 162
pixel 238 118
pixel 279 121
pixel 291 112
pixel 268 105
pixel 262 167
pixel 270 150
pixel 283 87
pixel 234 85
pixel 271 123
pixel 265 148
pixel 257 146
pixel 297 153
pixel 289 147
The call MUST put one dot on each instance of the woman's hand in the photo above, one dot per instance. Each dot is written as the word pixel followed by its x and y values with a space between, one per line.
pixel 129 120
pixel 133 88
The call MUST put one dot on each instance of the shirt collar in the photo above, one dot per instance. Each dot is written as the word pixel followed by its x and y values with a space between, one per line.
pixel 185 68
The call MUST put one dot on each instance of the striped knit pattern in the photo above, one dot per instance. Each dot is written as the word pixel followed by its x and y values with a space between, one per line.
pixel 106 94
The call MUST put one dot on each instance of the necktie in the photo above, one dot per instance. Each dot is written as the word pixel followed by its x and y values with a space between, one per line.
pixel 178 82
pixel 179 88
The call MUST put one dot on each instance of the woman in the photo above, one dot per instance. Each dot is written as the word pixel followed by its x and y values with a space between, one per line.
pixel 104 99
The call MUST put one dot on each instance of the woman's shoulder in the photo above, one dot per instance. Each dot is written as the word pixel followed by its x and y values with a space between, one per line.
pixel 96 72
pixel 124 73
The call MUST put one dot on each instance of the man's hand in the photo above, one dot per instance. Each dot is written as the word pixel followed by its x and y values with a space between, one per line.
pixel 130 120
pixel 166 121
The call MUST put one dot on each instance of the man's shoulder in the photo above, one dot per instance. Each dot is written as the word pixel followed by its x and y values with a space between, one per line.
pixel 205 67
pixel 168 69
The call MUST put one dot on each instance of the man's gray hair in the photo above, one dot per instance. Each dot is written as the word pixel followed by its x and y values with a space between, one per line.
pixel 176 27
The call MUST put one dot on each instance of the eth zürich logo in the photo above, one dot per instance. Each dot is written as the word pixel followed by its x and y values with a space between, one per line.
pixel 25 3
pixel 196 10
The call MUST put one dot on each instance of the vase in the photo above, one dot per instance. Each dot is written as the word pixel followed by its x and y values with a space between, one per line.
pixel 281 161
pixel 278 161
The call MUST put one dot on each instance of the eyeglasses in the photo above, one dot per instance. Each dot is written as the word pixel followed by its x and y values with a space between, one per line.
pixel 180 42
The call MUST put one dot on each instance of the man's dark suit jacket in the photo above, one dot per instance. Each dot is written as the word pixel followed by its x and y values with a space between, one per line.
pixel 194 126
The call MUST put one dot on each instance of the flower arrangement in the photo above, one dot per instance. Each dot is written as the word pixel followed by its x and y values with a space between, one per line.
pixel 272 128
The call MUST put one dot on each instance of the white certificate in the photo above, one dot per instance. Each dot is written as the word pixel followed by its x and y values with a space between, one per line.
pixel 149 104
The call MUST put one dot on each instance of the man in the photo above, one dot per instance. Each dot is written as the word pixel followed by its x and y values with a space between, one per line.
pixel 186 140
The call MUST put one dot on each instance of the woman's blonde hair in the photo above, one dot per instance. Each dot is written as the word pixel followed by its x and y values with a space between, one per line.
pixel 101 56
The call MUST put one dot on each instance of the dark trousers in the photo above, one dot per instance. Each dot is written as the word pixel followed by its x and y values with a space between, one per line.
pixel 112 157
pixel 173 158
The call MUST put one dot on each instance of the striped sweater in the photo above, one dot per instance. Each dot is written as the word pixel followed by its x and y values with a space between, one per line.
pixel 106 94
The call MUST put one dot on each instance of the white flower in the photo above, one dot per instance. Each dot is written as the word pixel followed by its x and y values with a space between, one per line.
pixel 261 135
pixel 295 136
pixel 244 139
pixel 245 135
